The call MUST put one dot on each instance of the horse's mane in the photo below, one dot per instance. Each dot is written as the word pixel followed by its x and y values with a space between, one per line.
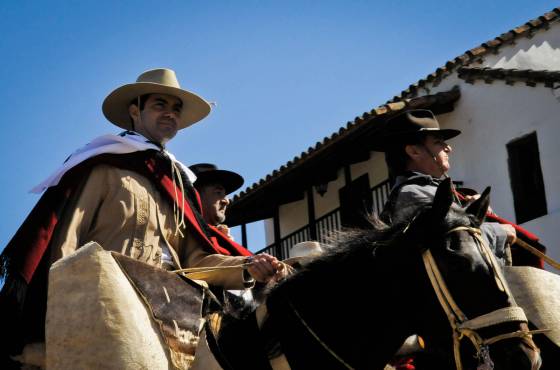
pixel 376 256
pixel 377 245
pixel 328 304
pixel 346 245
pixel 344 252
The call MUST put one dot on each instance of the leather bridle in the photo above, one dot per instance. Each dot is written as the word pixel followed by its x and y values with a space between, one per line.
pixel 463 327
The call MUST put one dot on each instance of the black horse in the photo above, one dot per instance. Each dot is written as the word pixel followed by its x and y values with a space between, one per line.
pixel 354 306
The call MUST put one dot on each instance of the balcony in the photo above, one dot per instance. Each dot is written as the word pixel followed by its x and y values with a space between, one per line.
pixel 324 227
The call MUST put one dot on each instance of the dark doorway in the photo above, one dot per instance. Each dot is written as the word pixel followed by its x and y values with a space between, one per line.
pixel 356 202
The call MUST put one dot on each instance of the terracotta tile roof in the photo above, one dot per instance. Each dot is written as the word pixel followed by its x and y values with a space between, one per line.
pixel 475 54
pixel 529 76
pixel 343 132
pixel 401 101
pixel 317 148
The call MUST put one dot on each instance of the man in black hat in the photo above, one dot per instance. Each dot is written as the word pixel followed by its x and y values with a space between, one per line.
pixel 417 156
pixel 214 185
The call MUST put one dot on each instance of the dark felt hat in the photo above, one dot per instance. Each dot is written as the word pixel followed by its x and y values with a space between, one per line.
pixel 405 127
pixel 207 173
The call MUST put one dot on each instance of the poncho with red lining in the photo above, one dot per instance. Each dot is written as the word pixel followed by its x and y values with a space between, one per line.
pixel 30 245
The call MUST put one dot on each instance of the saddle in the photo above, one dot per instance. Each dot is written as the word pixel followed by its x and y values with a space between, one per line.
pixel 109 311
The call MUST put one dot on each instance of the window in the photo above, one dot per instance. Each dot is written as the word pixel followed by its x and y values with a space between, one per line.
pixel 526 178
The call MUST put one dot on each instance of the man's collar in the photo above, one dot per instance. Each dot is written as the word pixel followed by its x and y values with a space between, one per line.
pixel 125 142
pixel 415 175
pixel 146 140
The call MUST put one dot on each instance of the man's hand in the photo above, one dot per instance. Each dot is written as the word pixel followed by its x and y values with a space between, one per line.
pixel 510 232
pixel 265 267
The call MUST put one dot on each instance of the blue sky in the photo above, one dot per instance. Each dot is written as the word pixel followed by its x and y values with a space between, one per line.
pixel 283 74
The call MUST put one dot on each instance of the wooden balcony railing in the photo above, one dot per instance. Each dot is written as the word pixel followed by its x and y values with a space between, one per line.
pixel 327 225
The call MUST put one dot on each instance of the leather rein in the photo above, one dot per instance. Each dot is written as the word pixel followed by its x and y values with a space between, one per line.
pixel 463 327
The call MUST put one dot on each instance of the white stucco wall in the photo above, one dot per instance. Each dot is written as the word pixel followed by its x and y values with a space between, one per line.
pixel 490 116
pixel 329 201
pixel 374 167
pixel 540 52
pixel 269 231
pixel 293 216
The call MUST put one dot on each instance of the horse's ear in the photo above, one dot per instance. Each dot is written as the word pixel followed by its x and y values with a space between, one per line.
pixel 479 207
pixel 443 199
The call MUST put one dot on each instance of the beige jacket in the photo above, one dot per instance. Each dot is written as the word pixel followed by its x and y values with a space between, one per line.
pixel 123 211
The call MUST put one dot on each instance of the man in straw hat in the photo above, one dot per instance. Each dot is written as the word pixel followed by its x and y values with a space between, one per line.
pixel 417 156
pixel 129 194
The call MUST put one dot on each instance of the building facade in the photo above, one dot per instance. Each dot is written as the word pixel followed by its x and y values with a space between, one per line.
pixel 504 95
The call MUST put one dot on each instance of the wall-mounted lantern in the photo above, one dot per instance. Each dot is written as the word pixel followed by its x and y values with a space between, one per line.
pixel 322 188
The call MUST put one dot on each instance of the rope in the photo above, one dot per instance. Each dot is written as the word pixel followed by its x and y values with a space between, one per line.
pixel 499 316
pixel 552 262
pixel 488 254
pixel 192 270
pixel 444 296
pixel 178 214
pixel 461 326
pixel 323 344
pixel 519 333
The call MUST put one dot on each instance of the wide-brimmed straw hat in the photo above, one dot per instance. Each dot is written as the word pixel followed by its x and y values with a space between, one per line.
pixel 155 81
pixel 208 173
pixel 407 126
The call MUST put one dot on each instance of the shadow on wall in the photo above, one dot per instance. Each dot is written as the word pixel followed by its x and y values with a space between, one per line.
pixel 530 54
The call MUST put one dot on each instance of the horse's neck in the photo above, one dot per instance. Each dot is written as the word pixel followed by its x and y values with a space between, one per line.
pixel 354 307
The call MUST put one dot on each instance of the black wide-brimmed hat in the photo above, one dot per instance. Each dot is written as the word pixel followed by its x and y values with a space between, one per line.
pixel 208 173
pixel 405 127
